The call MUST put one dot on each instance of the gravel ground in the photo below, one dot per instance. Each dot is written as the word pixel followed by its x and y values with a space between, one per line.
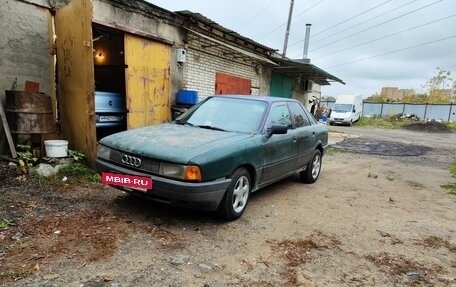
pixel 376 217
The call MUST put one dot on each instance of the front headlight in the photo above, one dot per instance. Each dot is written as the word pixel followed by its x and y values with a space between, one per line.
pixel 184 172
pixel 104 152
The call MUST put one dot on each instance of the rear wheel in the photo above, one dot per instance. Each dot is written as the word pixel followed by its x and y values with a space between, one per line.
pixel 312 172
pixel 236 196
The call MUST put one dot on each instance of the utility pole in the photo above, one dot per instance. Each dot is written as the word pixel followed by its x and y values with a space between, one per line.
pixel 287 32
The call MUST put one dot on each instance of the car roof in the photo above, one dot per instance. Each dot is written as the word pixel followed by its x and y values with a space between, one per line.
pixel 268 99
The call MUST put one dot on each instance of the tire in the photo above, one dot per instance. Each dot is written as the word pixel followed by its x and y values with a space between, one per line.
pixel 236 196
pixel 312 172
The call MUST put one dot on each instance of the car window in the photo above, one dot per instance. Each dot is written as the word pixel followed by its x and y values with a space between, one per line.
pixel 280 115
pixel 299 116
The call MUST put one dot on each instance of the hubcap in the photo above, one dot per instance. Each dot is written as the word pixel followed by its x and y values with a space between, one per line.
pixel 316 166
pixel 241 194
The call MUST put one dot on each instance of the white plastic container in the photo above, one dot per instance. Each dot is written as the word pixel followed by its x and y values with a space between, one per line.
pixel 56 148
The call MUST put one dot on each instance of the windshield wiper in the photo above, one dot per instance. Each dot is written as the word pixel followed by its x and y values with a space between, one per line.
pixel 180 122
pixel 211 128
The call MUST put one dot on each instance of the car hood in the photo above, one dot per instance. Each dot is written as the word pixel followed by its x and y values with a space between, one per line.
pixel 171 142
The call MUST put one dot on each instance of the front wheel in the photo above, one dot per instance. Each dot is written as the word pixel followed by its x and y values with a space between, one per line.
pixel 312 172
pixel 236 196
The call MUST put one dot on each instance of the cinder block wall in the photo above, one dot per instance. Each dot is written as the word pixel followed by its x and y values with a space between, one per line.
pixel 25 50
pixel 200 69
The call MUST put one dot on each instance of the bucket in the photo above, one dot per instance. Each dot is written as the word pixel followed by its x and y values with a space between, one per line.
pixel 187 97
pixel 56 148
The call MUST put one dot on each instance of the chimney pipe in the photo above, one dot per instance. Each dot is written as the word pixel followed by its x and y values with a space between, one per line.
pixel 306 41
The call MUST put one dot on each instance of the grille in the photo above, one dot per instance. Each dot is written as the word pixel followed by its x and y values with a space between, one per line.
pixel 148 165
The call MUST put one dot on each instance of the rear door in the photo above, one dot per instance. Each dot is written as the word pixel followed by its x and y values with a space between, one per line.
pixel 280 149
pixel 304 133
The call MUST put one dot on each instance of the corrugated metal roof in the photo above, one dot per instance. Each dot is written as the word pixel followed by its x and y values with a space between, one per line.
pixel 304 69
pixel 205 27
pixel 213 28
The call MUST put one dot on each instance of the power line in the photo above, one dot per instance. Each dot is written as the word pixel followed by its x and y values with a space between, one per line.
pixel 382 23
pixel 358 24
pixel 391 52
pixel 353 17
pixel 240 27
pixel 386 36
pixel 280 26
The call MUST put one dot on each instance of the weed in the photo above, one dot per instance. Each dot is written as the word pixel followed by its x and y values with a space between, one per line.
pixel 25 157
pixel 390 178
pixel 77 156
pixel 5 224
pixel 79 171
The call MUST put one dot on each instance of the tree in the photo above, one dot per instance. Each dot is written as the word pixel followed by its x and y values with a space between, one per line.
pixel 440 88
pixel 377 98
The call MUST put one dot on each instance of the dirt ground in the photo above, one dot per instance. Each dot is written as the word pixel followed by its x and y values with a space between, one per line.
pixel 376 217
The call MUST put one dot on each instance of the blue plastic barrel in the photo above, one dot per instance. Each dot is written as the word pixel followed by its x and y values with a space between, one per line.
pixel 187 97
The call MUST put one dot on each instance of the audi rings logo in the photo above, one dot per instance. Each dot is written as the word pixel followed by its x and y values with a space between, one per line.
pixel 131 160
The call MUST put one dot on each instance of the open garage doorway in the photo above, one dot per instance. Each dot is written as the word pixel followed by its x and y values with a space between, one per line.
pixel 109 73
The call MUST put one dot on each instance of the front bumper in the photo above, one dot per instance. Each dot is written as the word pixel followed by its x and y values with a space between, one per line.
pixel 200 195
pixel 342 121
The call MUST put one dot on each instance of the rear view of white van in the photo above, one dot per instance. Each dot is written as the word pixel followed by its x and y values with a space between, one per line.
pixel 347 110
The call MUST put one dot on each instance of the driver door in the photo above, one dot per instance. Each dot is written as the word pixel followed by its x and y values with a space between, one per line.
pixel 280 149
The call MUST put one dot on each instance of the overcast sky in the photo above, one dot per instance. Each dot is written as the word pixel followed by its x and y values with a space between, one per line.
pixel 367 44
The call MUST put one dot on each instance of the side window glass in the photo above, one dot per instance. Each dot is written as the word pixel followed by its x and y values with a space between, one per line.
pixel 280 115
pixel 299 116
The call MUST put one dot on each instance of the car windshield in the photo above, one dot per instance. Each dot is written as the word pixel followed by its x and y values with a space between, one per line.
pixel 226 114
pixel 342 108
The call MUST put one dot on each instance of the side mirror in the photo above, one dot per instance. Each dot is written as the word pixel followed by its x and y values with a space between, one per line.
pixel 276 129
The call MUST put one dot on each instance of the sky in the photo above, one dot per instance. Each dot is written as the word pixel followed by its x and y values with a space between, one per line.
pixel 368 44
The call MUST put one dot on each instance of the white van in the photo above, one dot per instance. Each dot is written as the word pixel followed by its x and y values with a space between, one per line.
pixel 347 110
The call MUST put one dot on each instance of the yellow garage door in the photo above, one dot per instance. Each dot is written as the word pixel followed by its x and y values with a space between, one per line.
pixel 148 81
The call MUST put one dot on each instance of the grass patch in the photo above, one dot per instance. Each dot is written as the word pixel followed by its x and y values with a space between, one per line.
pixel 332 151
pixel 74 173
pixel 376 122
pixel 451 187
pixel 395 123
pixel 452 126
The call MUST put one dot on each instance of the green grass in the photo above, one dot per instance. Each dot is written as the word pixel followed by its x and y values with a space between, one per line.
pixel 75 173
pixel 392 123
pixel 389 123
pixel 451 187
pixel 452 126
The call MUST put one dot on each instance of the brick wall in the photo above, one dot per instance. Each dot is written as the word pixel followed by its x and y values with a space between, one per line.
pixel 202 64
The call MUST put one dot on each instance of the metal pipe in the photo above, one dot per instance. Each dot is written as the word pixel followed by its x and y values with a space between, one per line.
pixel 287 32
pixel 306 42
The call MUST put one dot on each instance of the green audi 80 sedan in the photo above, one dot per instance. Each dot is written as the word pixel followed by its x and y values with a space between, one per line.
pixel 213 156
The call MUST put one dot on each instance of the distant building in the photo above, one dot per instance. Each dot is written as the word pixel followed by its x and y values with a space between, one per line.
pixel 391 93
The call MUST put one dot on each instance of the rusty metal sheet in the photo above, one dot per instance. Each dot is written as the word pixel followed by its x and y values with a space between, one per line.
pixel 148 81
pixel 228 85
pixel 73 24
